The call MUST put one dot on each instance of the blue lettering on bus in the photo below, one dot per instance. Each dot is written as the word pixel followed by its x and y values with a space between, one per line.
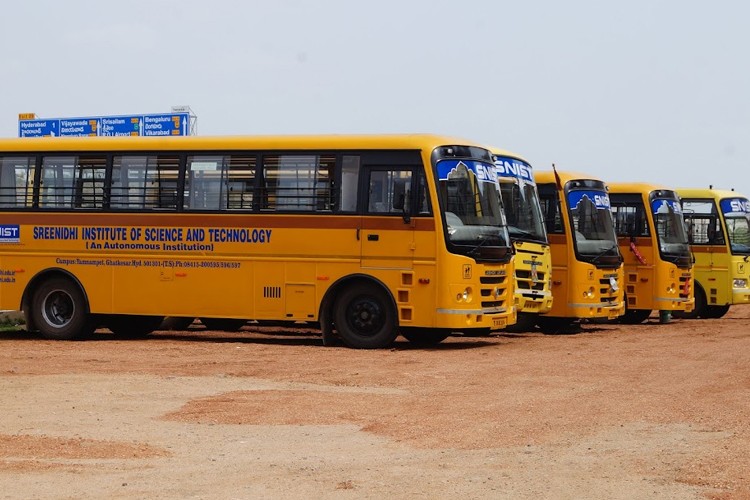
pixel 665 206
pixel 735 206
pixel 600 199
pixel 456 169
pixel 243 235
pixel 55 233
pixel 510 167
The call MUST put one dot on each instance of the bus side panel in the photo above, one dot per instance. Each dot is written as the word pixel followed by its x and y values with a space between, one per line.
pixel 639 279
pixel 712 273
pixel 560 285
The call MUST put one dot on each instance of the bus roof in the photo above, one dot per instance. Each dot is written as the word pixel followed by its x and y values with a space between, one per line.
pixel 505 152
pixel 716 194
pixel 636 187
pixel 547 176
pixel 288 142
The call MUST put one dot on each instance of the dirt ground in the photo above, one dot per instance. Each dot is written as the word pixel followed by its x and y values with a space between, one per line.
pixel 618 412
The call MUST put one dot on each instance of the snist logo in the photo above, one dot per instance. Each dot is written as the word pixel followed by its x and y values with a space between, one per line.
pixel 507 168
pixel 601 200
pixel 485 172
pixel 739 205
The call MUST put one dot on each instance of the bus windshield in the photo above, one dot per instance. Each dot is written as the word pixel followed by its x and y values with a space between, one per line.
pixel 474 218
pixel 591 217
pixel 670 228
pixel 520 200
pixel 737 217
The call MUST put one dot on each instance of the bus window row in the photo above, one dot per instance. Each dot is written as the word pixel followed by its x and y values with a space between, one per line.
pixel 305 183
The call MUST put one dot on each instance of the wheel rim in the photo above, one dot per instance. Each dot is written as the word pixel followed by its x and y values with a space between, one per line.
pixel 58 309
pixel 365 316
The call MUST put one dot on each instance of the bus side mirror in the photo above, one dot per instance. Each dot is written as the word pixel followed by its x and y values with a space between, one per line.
pixel 400 196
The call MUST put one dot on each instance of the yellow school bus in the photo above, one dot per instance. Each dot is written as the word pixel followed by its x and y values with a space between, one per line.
pixel 654 245
pixel 586 262
pixel 364 236
pixel 719 232
pixel 523 213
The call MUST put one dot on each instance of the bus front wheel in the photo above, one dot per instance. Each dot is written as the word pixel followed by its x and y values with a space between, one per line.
pixel 58 310
pixel 364 317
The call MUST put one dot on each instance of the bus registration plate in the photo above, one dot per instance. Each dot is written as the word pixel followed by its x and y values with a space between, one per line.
pixel 498 323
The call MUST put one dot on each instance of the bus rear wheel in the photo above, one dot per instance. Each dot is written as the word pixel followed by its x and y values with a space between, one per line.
pixel 364 317
pixel 58 310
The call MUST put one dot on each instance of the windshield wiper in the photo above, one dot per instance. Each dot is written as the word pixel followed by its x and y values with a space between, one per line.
pixel 595 260
pixel 474 252
pixel 516 231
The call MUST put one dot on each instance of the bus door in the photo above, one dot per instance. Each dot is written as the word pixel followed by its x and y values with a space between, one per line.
pixel 704 228
pixel 387 229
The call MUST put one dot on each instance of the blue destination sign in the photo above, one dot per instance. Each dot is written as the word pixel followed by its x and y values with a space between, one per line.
pixel 107 126
pixel 38 128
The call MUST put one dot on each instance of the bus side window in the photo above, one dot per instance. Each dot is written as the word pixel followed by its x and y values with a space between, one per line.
pixel 349 181
pixel 89 182
pixel 298 182
pixel 203 186
pixel 239 176
pixel 704 221
pixel 550 208
pixel 142 182
pixel 388 191
pixel 128 182
pixel 423 202
pixel 16 181
pixel 57 182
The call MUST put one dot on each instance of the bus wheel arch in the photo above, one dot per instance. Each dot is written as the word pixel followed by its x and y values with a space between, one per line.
pixel 56 304
pixel 701 303
pixel 362 311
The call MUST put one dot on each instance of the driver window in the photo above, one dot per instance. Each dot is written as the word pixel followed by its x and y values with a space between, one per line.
pixel 389 192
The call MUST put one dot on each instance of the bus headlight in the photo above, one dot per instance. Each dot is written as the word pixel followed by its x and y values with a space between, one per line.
pixel 671 288
pixel 588 294
pixel 739 283
pixel 464 296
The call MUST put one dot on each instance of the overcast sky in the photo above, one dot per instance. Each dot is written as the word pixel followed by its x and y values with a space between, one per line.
pixel 653 90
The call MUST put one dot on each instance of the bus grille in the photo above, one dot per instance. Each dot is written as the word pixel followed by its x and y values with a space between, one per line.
pixel 489 284
pixel 606 292
pixel 524 281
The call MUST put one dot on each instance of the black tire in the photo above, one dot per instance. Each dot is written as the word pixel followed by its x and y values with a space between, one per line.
pixel 59 310
pixel 132 326
pixel 553 325
pixel 525 322
pixel 634 316
pixel 700 306
pixel 176 323
pixel 223 324
pixel 716 312
pixel 364 317
pixel 424 337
